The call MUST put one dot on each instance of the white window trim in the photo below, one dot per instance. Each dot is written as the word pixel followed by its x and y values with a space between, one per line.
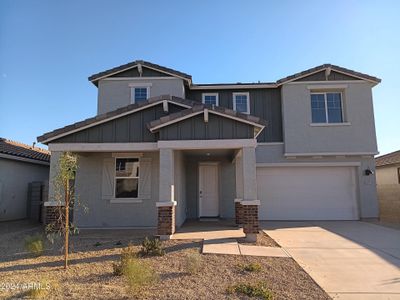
pixel 124 200
pixel 134 86
pixel 248 101
pixel 203 96
pixel 326 109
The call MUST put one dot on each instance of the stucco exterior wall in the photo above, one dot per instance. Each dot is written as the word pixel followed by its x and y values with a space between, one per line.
pixel 14 179
pixel 113 94
pixel 301 137
pixel 387 175
pixel 366 189
pixel 388 193
pixel 101 212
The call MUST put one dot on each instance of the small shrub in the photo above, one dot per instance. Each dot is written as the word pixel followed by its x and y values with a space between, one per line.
pixel 126 254
pixel 151 247
pixel 193 262
pixel 258 290
pixel 34 245
pixel 97 244
pixel 138 275
pixel 251 267
pixel 41 290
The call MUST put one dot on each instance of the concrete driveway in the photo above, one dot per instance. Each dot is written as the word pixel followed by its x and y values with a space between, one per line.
pixel 348 259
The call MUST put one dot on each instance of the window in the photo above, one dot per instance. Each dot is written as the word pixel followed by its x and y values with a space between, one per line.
pixel 398 174
pixel 241 102
pixel 326 108
pixel 210 99
pixel 139 93
pixel 126 177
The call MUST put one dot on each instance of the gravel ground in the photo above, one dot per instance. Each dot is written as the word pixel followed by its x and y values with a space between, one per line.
pixel 90 273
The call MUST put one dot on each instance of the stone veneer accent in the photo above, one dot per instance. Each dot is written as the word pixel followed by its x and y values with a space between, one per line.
pixel 166 220
pixel 250 219
pixel 238 212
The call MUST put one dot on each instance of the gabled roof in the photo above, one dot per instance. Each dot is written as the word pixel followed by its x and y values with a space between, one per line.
pixel 17 149
pixel 129 109
pixel 328 67
pixel 95 77
pixel 202 108
pixel 388 159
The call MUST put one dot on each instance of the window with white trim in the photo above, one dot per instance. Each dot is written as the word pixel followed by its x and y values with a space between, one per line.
pixel 326 107
pixel 210 98
pixel 139 93
pixel 126 177
pixel 241 102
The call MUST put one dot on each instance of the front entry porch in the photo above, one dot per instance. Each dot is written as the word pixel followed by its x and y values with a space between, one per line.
pixel 207 182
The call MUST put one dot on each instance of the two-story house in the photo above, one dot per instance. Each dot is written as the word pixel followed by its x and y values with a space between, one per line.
pixel 162 149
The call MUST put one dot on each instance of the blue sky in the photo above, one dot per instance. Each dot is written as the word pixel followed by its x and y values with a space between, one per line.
pixel 49 48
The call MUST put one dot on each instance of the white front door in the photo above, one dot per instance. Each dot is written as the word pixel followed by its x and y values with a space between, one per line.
pixel 208 190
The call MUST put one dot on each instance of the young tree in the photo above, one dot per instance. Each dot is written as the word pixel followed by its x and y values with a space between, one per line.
pixel 65 198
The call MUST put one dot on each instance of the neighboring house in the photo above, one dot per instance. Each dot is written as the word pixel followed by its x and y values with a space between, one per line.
pixel 163 149
pixel 20 165
pixel 388 182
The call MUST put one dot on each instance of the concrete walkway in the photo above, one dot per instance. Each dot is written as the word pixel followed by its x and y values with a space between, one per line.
pixel 349 260
pixel 232 247
pixel 221 238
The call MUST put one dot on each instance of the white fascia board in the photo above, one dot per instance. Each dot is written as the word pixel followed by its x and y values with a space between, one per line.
pixel 143 65
pixel 24 159
pixel 208 144
pixel 102 147
pixel 309 164
pixel 176 120
pixel 112 118
pixel 331 154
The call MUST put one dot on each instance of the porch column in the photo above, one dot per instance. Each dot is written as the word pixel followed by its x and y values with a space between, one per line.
pixel 250 203
pixel 239 188
pixel 166 204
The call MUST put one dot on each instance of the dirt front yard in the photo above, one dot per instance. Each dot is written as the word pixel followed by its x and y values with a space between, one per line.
pixel 90 275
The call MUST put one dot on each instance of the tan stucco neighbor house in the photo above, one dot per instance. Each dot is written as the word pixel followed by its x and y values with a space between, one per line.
pixel 388 183
pixel 163 149
pixel 20 165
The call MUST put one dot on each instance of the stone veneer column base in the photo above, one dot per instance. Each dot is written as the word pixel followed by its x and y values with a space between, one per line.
pixel 238 212
pixel 166 219
pixel 250 219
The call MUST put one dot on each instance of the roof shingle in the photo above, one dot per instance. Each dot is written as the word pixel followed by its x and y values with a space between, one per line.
pixel 388 159
pixel 22 150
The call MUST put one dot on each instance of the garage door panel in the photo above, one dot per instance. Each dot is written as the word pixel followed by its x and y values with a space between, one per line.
pixel 307 193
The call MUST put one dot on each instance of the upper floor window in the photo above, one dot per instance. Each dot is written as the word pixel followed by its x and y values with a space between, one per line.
pixel 126 177
pixel 327 107
pixel 210 99
pixel 140 92
pixel 241 102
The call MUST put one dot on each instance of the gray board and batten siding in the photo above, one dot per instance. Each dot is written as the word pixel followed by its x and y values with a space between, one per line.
pixel 264 103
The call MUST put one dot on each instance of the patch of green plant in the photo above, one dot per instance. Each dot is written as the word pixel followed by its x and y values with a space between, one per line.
pixel 34 245
pixel 151 247
pixel 138 274
pixel 251 267
pixel 193 262
pixel 257 290
pixel 97 244
pixel 127 253
pixel 40 290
